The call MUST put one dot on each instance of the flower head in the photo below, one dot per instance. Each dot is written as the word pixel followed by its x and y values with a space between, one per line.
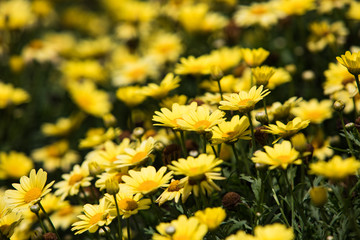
pixel 211 217
pixel 262 75
pixel 168 118
pixel 170 82
pixel 274 231
pixel 314 110
pixel 351 61
pixel 14 165
pixel 173 191
pixel 131 95
pixel 9 95
pixel 254 57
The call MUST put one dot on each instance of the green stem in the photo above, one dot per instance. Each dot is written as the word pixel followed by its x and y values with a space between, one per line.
pixel 215 153
pixel 252 133
pixel 128 228
pixel 47 216
pixel 291 198
pixel 220 90
pixel 357 84
pixel 346 135
pixel 266 114
pixel 41 223
pixel 182 143
pixel 278 203
pixel 118 217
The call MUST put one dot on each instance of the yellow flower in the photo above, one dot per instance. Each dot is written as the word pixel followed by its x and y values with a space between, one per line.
pixel 165 47
pixel 211 217
pixel 224 58
pixel 327 6
pixel 192 65
pixel 296 7
pixel 200 119
pixel 93 101
pixel 12 96
pixel 274 231
pixel 231 131
pixel 353 12
pixel 113 175
pixel 351 61
pixel 173 191
pixel 227 84
pixel 338 78
pixel 182 228
pixel 170 82
pixel 147 180
pixel 314 110
pixel 254 57
pixel 87 69
pixel 244 101
pixel 65 215
pixel 285 131
pixel 262 75
pixel 241 235
pixel 281 155
pixel 128 203
pixel 94 216
pixel 200 173
pixel 97 136
pixel 336 168
pixel 131 95
pixel 318 196
pixel 93 48
pixel 63 126
pixel 14 165
pixel 16 14
pixel 30 190
pixel 280 76
pixel 9 219
pixel 169 101
pixel 78 177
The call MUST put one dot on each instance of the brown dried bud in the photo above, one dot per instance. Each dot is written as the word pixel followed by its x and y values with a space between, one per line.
pixel 231 200
pixel 125 134
pixel 261 136
pixel 50 236
pixel 170 153
pixel 191 145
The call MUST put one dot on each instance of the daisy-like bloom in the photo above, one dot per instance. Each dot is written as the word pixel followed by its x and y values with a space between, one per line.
pixel 295 7
pixel 192 65
pixel 200 119
pixel 78 177
pixel 132 96
pixel 336 168
pixel 353 11
pixel 65 215
pixel 285 131
pixel 231 131
pixel 280 76
pixel 182 228
pixel 244 101
pixel 169 118
pixel 211 217
pixel 30 190
pixel 281 155
pixel 169 101
pixel 113 175
pixel 173 191
pixel 133 157
pixel 200 173
pixel 262 75
pixel 225 58
pixel 9 219
pixel 241 235
pixel 313 110
pixel 12 96
pixel 63 126
pixel 165 47
pixel 326 6
pixel 276 231
pixel 128 203
pixel 322 148
pixel 254 57
pixel 16 14
pixel 338 78
pixel 94 216
pixel 97 136
pixel 14 165
pixel 170 82
pixel 147 180
pixel 76 70
pixel 351 61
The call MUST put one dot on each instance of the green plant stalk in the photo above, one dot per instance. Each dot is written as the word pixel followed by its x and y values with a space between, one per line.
pixel 346 136
pixel 41 223
pixel 265 110
pixel 237 161
pixel 357 84
pixel 128 228
pixel 118 217
pixel 215 153
pixel 292 198
pixel 220 90
pixel 47 216
pixel 252 134
pixel 183 147
pixel 278 203
pixel 262 191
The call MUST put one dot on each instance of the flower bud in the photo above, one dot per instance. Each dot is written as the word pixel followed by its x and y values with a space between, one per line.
pixel 138 132
pixel 339 106
pixel 350 126
pixel 299 142
pixel 94 168
pixel 216 73
pixel 318 196
pixel 112 186
pixel 261 117
pixel 109 120
pixel 35 208
pixel 170 230
pixel 231 200
pixel 50 236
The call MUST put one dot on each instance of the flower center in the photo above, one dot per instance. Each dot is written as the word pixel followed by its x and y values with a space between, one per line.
pixel 127 204
pixel 283 158
pixel 202 124
pixel 75 178
pixel 147 185
pixel 85 101
pixel 96 218
pixel 65 211
pixel 314 115
pixel 181 237
pixel 32 194
pixel 138 157
pixel 245 102
pixel 228 134
pixel 259 10
pixel 174 186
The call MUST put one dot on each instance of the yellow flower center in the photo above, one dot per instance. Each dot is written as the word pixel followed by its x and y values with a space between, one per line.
pixel 284 158
pixel 314 115
pixel 96 218
pixel 181 237
pixel 259 10
pixel 32 194
pixel 138 157
pixel 75 178
pixel 174 186
pixel 128 204
pixel 228 134
pixel 64 211
pixel 147 185
pixel 202 124
pixel 136 73
pixel 85 101
pixel 245 102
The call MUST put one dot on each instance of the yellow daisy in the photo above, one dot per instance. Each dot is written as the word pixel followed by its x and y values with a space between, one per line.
pixel 168 118
pixel 147 180
pixel 132 96
pixel 262 75
pixel 296 7
pixel 63 126
pixel 254 57
pixel 351 61
pixel 170 82
pixel 280 76
pixel 12 96
pixel 241 235
pixel 336 168
pixel 211 217
pixel 9 219
pixel 338 78
pixel 173 191
pixel 313 110
pixel 97 136
pixel 276 231
pixel 192 65
pixel 281 155
pixel 30 190
pixel 114 175
pixel 14 165
pixel 231 131
pixel 244 101
pixel 285 131
pixel 94 216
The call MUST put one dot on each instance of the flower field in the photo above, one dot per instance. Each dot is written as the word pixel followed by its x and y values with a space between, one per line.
pixel 179 119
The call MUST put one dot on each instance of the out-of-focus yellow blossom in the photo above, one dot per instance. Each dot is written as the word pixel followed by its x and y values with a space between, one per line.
pixel 241 235
pixel 279 111
pixel 40 51
pixel 326 6
pixel 321 146
pixel 254 57
pixel 351 61
pixel 299 142
pixel 90 99
pixel 173 191
pixel 323 34
pixel 353 12
pixel 313 110
pixel 348 99
pixel 211 217
pixel 280 77
pixel 295 7
pixel 244 83
pixel 113 174
pixel 192 65
pixel 93 48
pixel 97 136
pixel 285 131
pixel 264 14
pixel 131 95
pixel 14 165
pixel 12 96
pixel 338 78
pixel 184 228
pixel 126 31
pixel 9 219
pixel 227 84
pixel 78 70
pixel 281 155
pixel 170 82
pixel 63 126
pixel 276 231
pixel 56 155
pixel 169 101
pixel 63 43
pixel 225 58
pixel 262 75
pixel 16 63
pixel 16 14
pixel 42 8
pixel 65 215
pixel 336 168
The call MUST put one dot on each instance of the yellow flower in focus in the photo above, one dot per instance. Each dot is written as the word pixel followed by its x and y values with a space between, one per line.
pixel 353 11
pixel 86 69
pixel 200 173
pixel 182 228
pixel 16 14
pixel 262 75
pixel 254 57
pixel 173 191
pixel 244 101
pixel 169 101
pixel 336 168
pixel 131 95
pixel 94 216
pixel 296 7
pixel 241 235
pixel 228 132
pixel 281 155
pixel 12 96
pixel 274 231
pixel 147 180
pixel 211 217
pixel 9 219
pixel 97 136
pixel 313 110
pixel 351 61
pixel 170 82
pixel 63 126
pixel 285 131
pixel 338 78
pixel 14 165
pixel 90 99
pixel 30 190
